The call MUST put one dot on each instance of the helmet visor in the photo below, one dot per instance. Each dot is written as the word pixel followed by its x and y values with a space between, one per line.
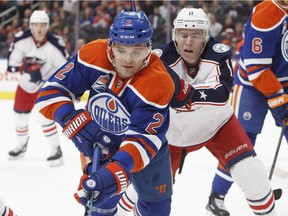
pixel 134 52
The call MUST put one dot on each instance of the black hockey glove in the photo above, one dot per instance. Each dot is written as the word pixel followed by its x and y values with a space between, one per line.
pixel 34 71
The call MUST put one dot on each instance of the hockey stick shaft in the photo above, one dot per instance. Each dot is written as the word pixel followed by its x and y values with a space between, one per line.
pixel 95 164
pixel 277 192
pixel 133 5
pixel 277 149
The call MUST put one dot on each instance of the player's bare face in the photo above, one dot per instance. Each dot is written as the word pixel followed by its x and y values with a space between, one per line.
pixel 39 31
pixel 190 43
pixel 129 60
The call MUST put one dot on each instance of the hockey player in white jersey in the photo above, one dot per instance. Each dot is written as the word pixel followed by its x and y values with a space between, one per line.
pixel 208 120
pixel 5 210
pixel 35 54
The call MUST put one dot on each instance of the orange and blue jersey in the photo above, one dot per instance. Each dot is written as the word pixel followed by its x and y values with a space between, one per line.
pixel 133 113
pixel 264 56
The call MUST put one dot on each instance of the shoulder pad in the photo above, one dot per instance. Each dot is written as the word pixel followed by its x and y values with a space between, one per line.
pixel 169 53
pixel 216 51
pixel 220 48
pixel 22 35
pixel 56 40
pixel 158 52
pixel 19 34
pixel 267 15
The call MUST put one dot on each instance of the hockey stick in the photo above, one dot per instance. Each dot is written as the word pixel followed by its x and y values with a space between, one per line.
pixel 96 154
pixel 133 5
pixel 277 192
pixel 183 156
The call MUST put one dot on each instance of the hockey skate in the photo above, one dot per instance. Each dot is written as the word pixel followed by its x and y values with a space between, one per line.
pixel 18 151
pixel 215 205
pixel 56 157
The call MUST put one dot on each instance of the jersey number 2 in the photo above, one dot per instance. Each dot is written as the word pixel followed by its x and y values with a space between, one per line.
pixel 151 128
pixel 61 73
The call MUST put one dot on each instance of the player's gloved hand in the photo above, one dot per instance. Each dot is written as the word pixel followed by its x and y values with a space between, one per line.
pixel 81 195
pixel 85 133
pixel 279 105
pixel 34 71
pixel 108 181
pixel 183 95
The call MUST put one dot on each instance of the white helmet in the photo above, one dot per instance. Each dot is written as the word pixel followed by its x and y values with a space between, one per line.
pixel 282 3
pixel 192 18
pixel 39 16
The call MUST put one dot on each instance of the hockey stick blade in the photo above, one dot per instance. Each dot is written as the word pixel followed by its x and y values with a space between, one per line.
pixel 277 193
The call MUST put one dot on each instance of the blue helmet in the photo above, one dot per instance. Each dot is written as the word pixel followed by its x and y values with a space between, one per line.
pixel 130 28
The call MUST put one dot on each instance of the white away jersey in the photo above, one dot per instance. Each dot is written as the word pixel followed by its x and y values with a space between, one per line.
pixel 51 54
pixel 212 80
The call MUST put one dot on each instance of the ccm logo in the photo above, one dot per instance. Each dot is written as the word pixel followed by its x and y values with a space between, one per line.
pixel 127 37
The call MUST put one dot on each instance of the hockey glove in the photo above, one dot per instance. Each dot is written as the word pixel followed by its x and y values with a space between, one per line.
pixel 279 106
pixel 105 183
pixel 81 195
pixel 183 95
pixel 34 71
pixel 85 133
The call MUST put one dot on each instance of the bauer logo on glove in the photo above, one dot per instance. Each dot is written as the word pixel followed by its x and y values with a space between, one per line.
pixel 278 101
pixel 279 106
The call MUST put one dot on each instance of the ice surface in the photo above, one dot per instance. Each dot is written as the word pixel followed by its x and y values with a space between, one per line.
pixel 31 188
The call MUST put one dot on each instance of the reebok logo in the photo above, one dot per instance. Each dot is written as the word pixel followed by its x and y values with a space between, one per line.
pixel 122 181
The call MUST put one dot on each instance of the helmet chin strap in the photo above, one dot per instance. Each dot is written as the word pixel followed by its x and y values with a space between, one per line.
pixel 191 62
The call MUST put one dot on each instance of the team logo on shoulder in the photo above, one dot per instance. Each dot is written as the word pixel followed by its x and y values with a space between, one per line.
pixel 220 48
pixel 19 34
pixel 284 46
pixel 61 42
pixel 158 52
pixel 101 83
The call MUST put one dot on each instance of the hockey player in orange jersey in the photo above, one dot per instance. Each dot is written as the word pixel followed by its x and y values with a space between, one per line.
pixel 127 116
